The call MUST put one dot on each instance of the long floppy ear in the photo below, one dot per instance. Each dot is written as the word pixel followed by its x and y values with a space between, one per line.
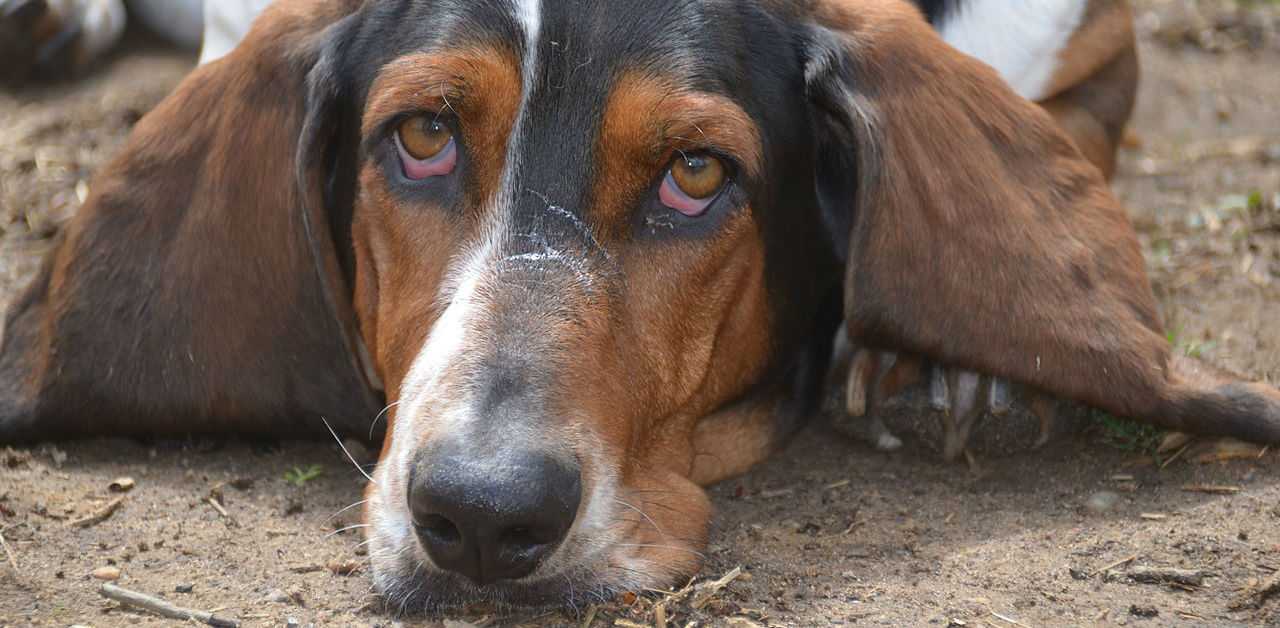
pixel 199 289
pixel 981 237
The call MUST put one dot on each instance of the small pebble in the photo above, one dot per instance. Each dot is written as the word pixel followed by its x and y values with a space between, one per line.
pixel 106 573
pixel 278 596
pixel 1143 610
pixel 1101 501
pixel 120 485
pixel 184 588
pixel 292 622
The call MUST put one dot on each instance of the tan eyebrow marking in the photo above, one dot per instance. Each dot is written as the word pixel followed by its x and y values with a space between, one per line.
pixel 650 118
pixel 480 86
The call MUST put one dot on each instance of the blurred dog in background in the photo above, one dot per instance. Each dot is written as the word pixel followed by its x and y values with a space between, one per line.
pixel 42 39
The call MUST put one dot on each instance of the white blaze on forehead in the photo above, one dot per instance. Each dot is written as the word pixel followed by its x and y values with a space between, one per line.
pixel 1021 40
pixel 528 14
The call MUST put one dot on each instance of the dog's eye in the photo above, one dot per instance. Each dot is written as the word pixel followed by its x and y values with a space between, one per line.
pixel 692 183
pixel 427 147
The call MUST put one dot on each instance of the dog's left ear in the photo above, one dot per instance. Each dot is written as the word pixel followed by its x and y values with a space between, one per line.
pixel 979 235
pixel 201 287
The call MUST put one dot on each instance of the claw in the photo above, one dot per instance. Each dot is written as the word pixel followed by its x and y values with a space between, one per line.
pixel 861 373
pixel 882 438
pixel 964 410
pixel 874 377
pixel 999 399
pixel 939 390
pixel 1046 411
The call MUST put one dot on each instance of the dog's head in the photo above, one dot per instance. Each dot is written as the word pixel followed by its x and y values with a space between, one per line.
pixel 579 229
pixel 593 250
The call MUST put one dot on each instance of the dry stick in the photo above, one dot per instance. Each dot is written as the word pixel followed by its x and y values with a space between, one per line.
pixel 12 560
pixel 161 607
pixel 591 615
pixel 1220 490
pixel 1012 621
pixel 1176 454
pixel 99 515
pixel 1122 561
pixel 218 507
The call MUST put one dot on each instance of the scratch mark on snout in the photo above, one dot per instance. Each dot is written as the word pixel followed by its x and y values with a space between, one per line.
pixel 582 227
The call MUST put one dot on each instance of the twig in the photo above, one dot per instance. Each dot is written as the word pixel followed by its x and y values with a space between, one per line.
pixel 12 560
pixel 591 615
pixel 1122 561
pixel 1012 621
pixel 161 607
pixel 1175 455
pixel 218 507
pixel 709 590
pixel 1202 488
pixel 1161 575
pixel 98 516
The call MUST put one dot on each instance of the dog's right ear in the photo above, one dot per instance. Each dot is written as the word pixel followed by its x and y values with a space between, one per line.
pixel 199 288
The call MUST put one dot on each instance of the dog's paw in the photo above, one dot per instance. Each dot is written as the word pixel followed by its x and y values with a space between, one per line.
pixel 889 399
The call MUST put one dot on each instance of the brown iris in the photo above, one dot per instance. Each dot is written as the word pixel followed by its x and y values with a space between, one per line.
pixel 424 138
pixel 699 176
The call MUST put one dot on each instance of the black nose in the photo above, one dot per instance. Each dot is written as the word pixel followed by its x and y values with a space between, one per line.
pixel 494 518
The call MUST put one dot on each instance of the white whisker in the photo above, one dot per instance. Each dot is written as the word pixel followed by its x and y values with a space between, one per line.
pixel 344 450
pixel 350 527
pixel 342 511
pixel 646 517
pixel 379 416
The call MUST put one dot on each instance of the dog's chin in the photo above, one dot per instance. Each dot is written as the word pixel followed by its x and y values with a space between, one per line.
pixel 412 584
pixel 431 590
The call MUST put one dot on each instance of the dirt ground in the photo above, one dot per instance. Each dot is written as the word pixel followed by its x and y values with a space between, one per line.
pixel 829 532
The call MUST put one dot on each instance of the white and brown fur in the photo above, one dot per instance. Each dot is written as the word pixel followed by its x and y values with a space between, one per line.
pixel 535 322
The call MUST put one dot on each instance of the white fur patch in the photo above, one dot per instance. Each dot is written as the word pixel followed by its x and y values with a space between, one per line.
pixel 102 22
pixel 1021 40
pixel 226 22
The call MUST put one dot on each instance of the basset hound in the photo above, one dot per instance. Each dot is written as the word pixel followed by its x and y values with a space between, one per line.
pixel 581 258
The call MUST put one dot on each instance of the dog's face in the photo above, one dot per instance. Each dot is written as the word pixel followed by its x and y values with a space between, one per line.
pixel 562 234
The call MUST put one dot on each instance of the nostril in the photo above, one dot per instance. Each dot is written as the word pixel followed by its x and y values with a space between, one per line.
pixel 522 540
pixel 439 530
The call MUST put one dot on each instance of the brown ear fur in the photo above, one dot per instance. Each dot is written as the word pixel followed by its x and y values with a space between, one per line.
pixel 981 236
pixel 185 296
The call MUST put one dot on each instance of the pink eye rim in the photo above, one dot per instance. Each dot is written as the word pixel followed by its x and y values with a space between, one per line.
pixel 670 195
pixel 437 165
